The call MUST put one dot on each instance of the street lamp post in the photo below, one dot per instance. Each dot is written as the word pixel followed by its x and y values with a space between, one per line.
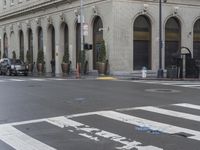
pixel 80 68
pixel 160 70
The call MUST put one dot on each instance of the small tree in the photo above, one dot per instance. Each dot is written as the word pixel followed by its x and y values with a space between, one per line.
pixel 66 56
pixel 4 55
pixel 21 55
pixel 28 56
pixel 40 57
pixel 102 52
pixel 13 55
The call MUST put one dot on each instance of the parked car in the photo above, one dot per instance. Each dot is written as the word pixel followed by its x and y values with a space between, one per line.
pixel 13 67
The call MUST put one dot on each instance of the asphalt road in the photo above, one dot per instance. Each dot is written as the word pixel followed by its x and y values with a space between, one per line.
pixel 63 114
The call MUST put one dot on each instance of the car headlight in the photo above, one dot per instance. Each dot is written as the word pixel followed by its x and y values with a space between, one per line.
pixel 12 67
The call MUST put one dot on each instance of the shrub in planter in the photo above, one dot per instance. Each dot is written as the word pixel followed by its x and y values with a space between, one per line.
pixel 29 60
pixel 13 55
pixel 65 62
pixel 40 61
pixel 102 59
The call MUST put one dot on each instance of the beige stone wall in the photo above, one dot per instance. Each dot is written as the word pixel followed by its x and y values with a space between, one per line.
pixel 118 18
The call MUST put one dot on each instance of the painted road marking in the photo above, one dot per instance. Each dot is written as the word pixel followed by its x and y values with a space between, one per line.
pixel 18 80
pixel 20 141
pixel 189 84
pixel 192 106
pixel 162 127
pixel 94 132
pixel 170 113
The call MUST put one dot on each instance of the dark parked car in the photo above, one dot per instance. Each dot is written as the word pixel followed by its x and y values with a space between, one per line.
pixel 13 67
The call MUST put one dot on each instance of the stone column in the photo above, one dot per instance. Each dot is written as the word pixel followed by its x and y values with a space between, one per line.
pixel 58 51
pixel 35 43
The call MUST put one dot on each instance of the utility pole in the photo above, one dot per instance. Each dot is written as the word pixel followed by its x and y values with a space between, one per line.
pixel 160 70
pixel 82 36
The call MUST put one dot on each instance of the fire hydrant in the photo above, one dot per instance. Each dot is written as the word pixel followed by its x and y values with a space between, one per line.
pixel 144 72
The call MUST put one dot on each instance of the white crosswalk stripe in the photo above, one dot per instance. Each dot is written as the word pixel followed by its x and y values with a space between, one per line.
pixel 20 141
pixel 31 79
pixel 188 84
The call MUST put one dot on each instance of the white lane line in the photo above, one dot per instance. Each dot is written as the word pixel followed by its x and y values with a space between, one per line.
pixel 93 132
pixel 170 113
pixel 186 105
pixel 189 85
pixel 20 141
pixel 18 80
pixel 162 127
pixel 38 79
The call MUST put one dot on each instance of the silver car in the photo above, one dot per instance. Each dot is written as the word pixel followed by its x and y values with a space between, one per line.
pixel 13 67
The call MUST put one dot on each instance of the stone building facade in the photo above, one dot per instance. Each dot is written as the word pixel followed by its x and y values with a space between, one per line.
pixel 130 29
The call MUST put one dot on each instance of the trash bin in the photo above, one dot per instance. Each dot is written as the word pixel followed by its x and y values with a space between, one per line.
pixel 172 72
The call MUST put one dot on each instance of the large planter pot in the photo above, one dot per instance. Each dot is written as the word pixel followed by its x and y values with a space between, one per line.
pixel 30 67
pixel 101 68
pixel 40 67
pixel 65 68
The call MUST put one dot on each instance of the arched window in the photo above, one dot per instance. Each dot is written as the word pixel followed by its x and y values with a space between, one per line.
pixel 40 39
pixel 12 44
pixel 5 45
pixel 196 40
pixel 97 39
pixel 172 41
pixel 30 43
pixel 52 41
pixel 142 43
pixel 66 37
pixel 21 45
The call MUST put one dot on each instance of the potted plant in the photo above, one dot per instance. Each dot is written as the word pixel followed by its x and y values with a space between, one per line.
pixel 13 55
pixel 102 59
pixel 65 62
pixel 40 61
pixel 29 61
pixel 21 55
pixel 4 55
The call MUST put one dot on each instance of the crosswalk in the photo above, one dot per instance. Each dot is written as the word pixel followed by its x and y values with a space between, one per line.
pixel 188 84
pixel 9 80
pixel 140 128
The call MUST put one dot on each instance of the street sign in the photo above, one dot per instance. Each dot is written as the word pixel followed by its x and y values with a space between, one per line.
pixel 85 29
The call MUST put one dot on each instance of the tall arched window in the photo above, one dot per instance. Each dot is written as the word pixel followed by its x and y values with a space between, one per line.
pixel 12 44
pixel 30 43
pixel 172 41
pixel 21 45
pixel 196 40
pixel 142 43
pixel 5 45
pixel 78 42
pixel 97 39
pixel 66 37
pixel 40 39
pixel 52 39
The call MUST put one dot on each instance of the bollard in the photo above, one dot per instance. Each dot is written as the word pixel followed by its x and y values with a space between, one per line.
pixel 144 72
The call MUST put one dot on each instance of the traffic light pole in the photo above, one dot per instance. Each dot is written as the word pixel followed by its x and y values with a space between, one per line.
pixel 160 70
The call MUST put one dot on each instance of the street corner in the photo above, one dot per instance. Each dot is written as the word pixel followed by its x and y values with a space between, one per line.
pixel 106 78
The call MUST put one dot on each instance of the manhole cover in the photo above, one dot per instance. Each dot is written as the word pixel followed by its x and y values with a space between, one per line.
pixel 162 90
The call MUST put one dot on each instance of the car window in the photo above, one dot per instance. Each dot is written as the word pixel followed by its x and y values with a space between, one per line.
pixel 16 61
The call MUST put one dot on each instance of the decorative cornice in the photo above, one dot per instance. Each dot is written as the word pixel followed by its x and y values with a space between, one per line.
pixel 35 7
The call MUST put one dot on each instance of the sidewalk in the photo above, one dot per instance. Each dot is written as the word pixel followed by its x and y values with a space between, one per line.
pixel 109 77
